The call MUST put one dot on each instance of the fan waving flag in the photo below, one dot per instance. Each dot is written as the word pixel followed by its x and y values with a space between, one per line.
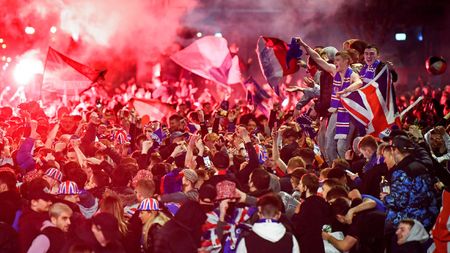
pixel 373 105
pixel 210 58
pixel 277 59
pixel 63 75
pixel 155 109
pixel 257 99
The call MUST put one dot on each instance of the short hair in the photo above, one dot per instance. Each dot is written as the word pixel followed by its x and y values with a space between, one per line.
pixel 57 209
pixel 306 154
pixel 175 117
pixel 372 46
pixel 409 222
pixel 120 176
pixel 368 141
pixel 101 178
pixel 336 192
pixel 324 172
pixel 340 206
pixel 331 182
pixel 270 205
pixel 9 179
pixel 260 179
pixel 311 182
pixel 345 55
pixel 340 163
pixel 146 187
pixel 296 162
pixel 336 173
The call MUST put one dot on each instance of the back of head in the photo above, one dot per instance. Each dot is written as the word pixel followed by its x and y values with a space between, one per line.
pixel 9 179
pixel 260 179
pixel 311 182
pixel 336 192
pixel 296 162
pixel 146 188
pixel 336 173
pixel 270 206
pixel 120 177
pixel 191 215
pixel 221 160
pixel 340 206
pixel 368 141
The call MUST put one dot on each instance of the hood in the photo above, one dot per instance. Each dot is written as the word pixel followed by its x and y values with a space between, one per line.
pixel 88 212
pixel 271 231
pixel 417 233
pixel 47 224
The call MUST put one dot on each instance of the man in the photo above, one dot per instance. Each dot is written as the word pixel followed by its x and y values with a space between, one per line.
pixel 52 237
pixel 176 123
pixel 69 192
pixel 373 170
pixel 54 177
pixel 410 237
pixel 365 232
pixel 34 215
pixel 313 213
pixel 340 125
pixel 189 179
pixel 268 234
pixel 373 65
pixel 10 200
pixel 412 193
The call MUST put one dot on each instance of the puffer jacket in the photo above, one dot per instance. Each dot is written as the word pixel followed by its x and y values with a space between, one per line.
pixel 412 194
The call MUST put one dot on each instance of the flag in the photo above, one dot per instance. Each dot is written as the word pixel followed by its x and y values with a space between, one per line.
pixel 373 105
pixel 63 75
pixel 277 59
pixel 155 109
pixel 258 98
pixel 159 135
pixel 210 58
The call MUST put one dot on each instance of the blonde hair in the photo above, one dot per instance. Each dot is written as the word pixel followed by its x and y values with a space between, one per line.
pixel 57 209
pixel 113 205
pixel 296 162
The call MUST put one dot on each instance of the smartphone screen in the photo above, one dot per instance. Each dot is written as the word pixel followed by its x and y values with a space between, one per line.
pixel 207 162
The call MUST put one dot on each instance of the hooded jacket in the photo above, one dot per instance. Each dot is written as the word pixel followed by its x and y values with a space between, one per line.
pixel 272 232
pixel 415 240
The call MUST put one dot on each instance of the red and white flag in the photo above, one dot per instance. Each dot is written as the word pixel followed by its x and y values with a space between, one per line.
pixel 374 104
pixel 210 58
pixel 155 109
pixel 65 76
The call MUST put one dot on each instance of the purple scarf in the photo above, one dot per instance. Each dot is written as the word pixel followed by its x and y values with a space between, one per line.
pixel 343 117
pixel 368 72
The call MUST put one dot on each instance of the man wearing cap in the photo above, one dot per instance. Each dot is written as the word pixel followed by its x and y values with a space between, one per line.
pixel 69 195
pixel 54 177
pixel 153 220
pixel 52 237
pixel 189 179
pixel 412 193
pixel 33 216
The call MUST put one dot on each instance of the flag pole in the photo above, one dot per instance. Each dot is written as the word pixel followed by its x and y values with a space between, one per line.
pixel 410 107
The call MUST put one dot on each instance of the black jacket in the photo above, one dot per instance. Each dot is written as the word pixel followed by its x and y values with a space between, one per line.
pixel 314 213
pixel 182 233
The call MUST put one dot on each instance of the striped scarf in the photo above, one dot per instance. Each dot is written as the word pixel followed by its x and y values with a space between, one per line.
pixel 343 117
pixel 368 72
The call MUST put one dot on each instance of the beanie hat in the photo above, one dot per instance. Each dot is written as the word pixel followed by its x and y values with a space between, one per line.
pixel 54 173
pixel 190 175
pixel 149 204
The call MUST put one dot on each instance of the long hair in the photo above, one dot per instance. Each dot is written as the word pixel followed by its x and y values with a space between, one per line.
pixel 113 205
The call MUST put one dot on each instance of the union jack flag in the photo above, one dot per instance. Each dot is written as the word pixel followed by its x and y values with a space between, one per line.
pixel 373 105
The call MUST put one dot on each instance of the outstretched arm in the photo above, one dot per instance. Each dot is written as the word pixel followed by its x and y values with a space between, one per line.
pixel 330 68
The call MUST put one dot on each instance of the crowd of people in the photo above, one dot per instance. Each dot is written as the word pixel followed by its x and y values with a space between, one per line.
pixel 223 177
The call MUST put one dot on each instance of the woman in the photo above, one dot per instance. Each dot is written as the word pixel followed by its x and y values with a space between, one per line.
pixel 152 220
pixel 112 204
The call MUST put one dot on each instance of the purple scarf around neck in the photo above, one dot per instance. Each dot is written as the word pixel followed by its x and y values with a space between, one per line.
pixel 367 73
pixel 343 117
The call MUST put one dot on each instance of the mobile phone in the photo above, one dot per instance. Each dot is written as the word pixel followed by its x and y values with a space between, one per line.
pixel 207 162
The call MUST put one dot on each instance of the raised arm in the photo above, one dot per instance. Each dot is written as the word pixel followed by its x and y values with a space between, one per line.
pixel 330 68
